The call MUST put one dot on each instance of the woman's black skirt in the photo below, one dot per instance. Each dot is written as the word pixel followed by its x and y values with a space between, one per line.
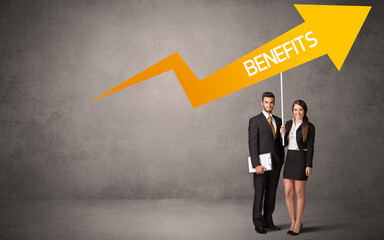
pixel 295 165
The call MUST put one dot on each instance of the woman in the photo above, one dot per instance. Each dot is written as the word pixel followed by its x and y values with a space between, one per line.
pixel 298 165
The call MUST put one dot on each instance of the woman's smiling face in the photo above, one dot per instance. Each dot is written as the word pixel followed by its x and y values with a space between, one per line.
pixel 298 111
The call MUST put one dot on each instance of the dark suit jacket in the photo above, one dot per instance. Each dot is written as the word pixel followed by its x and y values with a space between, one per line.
pixel 260 140
pixel 309 144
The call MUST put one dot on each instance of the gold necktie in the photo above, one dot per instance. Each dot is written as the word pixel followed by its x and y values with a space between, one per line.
pixel 272 128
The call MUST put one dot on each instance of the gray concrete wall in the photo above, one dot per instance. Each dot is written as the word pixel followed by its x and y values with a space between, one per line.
pixel 147 141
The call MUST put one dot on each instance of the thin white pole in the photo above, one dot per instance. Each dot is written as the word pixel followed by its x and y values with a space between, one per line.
pixel 282 102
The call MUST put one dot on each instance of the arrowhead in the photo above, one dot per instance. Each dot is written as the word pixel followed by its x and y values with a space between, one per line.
pixel 336 26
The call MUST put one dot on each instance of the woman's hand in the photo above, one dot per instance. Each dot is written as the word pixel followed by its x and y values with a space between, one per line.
pixel 282 130
pixel 308 171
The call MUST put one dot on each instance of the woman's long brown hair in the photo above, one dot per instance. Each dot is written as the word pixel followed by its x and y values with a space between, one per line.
pixel 302 104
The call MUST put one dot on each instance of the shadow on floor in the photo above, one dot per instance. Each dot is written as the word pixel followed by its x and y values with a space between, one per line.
pixel 321 228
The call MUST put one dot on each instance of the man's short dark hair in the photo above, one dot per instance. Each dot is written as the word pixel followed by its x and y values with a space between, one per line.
pixel 267 94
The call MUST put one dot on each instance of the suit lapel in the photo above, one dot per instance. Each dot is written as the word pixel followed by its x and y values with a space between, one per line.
pixel 277 131
pixel 288 126
pixel 299 135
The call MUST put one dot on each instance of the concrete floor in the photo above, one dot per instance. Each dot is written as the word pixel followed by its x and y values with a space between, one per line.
pixel 170 219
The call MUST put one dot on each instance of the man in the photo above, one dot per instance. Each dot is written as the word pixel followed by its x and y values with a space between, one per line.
pixel 264 137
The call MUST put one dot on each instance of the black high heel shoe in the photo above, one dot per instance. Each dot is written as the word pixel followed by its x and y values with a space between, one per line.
pixel 292 233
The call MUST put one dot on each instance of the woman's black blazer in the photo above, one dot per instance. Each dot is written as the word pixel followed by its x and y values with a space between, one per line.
pixel 309 144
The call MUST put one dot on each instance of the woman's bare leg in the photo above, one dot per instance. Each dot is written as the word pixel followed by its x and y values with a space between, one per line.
pixel 300 195
pixel 289 186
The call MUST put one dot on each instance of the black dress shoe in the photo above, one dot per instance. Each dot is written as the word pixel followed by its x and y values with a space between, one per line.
pixel 273 227
pixel 289 232
pixel 260 230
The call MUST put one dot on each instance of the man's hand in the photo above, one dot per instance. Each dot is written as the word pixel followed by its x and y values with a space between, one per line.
pixel 308 171
pixel 260 169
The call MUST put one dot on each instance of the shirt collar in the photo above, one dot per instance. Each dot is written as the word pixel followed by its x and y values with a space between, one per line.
pixel 298 123
pixel 266 114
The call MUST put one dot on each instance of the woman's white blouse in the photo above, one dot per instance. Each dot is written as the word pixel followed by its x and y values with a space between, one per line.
pixel 292 143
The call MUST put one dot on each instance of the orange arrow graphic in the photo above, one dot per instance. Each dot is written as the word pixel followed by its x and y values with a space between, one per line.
pixel 328 29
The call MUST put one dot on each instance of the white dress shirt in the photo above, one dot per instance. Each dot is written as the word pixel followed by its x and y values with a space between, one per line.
pixel 292 143
pixel 273 120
